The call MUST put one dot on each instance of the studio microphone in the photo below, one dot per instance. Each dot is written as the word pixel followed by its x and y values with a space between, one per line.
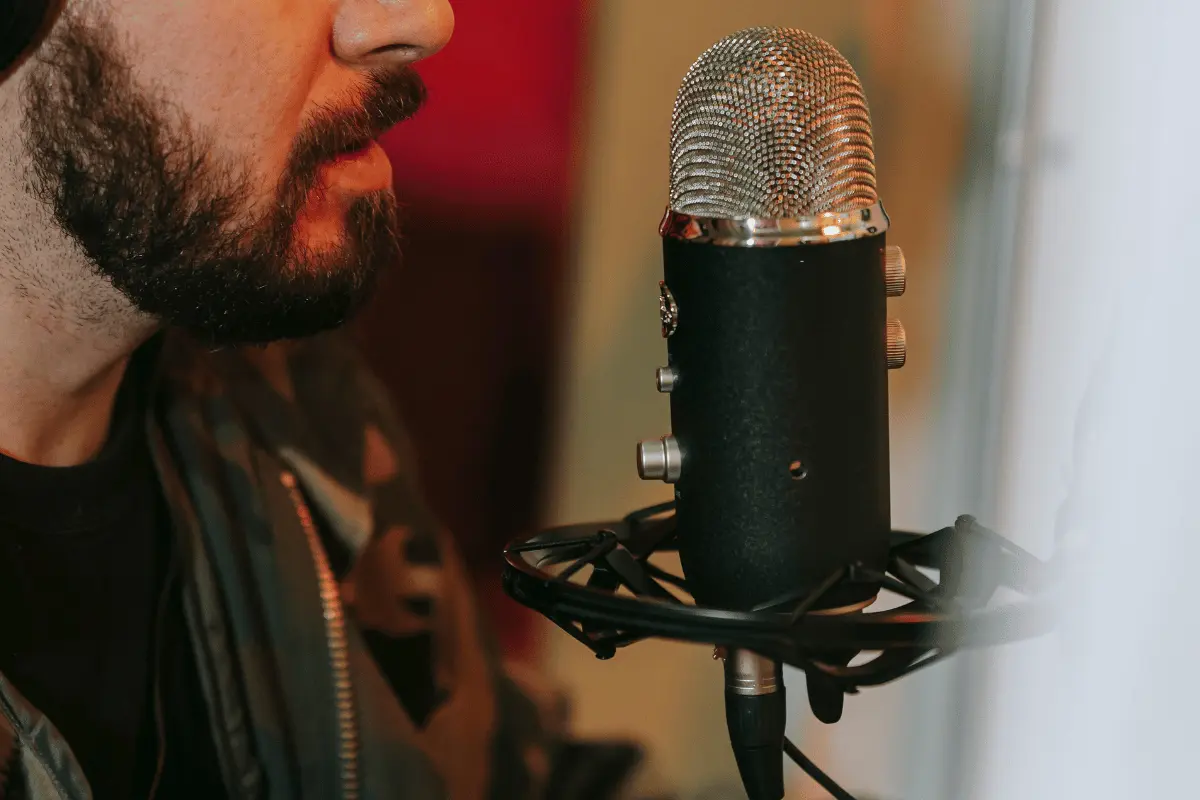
pixel 773 305
pixel 774 310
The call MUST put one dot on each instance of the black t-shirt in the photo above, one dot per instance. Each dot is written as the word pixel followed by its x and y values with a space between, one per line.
pixel 91 602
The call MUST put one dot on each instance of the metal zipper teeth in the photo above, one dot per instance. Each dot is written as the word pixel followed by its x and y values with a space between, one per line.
pixel 339 649
pixel 160 725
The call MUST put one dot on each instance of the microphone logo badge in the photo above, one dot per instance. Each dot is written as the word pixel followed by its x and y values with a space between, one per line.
pixel 668 311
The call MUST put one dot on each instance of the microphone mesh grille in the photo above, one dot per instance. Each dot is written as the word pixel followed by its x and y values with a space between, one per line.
pixel 771 123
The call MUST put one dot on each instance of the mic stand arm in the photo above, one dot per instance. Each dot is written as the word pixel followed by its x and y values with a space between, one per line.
pixel 597 583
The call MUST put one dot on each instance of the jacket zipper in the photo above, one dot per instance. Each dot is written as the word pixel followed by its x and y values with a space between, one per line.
pixel 339 649
pixel 160 727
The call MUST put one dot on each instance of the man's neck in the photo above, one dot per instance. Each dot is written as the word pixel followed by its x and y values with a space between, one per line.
pixel 58 381
pixel 40 425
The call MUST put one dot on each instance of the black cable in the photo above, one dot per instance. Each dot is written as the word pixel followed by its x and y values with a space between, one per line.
pixel 814 772
pixel 658 573
pixel 643 514
pixel 534 546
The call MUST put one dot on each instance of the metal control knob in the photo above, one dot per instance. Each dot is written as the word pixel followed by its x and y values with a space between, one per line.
pixel 895 271
pixel 666 378
pixel 897 344
pixel 660 460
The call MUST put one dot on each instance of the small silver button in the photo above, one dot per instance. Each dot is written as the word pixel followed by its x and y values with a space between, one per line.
pixel 660 460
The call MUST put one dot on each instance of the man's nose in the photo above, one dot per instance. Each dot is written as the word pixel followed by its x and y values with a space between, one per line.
pixel 386 33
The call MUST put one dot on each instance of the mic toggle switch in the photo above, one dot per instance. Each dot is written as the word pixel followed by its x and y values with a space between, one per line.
pixel 895 271
pixel 660 460
pixel 897 344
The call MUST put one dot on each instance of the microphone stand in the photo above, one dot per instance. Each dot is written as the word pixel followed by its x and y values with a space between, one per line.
pixel 597 582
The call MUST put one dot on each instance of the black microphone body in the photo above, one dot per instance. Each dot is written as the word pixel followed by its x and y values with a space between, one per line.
pixel 774 306
pixel 780 410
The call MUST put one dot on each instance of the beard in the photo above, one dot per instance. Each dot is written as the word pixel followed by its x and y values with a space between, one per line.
pixel 172 227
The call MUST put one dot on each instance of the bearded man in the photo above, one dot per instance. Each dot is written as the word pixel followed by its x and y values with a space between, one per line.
pixel 217 578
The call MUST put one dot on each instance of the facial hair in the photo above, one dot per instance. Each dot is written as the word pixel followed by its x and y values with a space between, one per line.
pixel 171 226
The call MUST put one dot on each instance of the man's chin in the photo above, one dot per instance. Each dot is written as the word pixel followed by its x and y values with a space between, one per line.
pixel 300 300
pixel 340 229
pixel 315 246
pixel 292 278
pixel 267 329
pixel 322 228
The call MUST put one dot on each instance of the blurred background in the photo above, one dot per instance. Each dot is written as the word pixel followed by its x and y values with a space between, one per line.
pixel 521 337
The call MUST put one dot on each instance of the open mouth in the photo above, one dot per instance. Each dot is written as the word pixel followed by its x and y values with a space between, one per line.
pixel 354 150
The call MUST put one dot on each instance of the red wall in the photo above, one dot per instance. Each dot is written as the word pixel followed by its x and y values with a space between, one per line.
pixel 467 333
pixel 499 128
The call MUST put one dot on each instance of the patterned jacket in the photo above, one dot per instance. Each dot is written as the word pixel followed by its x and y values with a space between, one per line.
pixel 338 646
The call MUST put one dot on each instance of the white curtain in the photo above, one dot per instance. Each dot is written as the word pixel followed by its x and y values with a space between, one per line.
pixel 1101 437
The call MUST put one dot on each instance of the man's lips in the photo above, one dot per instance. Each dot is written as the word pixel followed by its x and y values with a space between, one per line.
pixel 361 171
pixel 354 150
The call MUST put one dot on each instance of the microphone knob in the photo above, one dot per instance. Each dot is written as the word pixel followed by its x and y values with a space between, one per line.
pixel 895 271
pixel 666 378
pixel 660 460
pixel 897 344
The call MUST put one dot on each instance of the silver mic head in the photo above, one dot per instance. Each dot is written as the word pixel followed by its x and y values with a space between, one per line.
pixel 771 123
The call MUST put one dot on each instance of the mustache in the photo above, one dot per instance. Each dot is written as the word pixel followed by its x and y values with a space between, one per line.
pixel 388 99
